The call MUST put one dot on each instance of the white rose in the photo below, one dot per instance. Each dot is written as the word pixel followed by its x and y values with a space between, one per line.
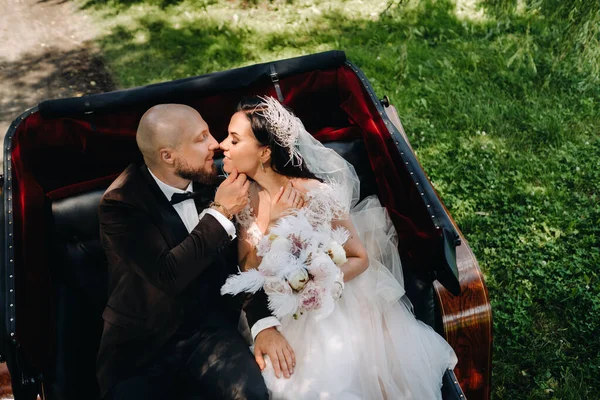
pixel 298 279
pixel 281 244
pixel 337 253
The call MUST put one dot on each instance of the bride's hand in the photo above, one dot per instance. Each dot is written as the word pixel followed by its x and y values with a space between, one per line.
pixel 286 199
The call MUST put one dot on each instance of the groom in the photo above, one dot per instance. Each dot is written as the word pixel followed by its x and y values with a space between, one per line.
pixel 168 333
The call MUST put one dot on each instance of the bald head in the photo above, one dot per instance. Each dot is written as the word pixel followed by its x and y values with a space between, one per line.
pixel 165 126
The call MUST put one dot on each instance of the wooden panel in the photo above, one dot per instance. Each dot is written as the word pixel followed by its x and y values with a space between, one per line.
pixel 468 325
pixel 5 385
pixel 6 392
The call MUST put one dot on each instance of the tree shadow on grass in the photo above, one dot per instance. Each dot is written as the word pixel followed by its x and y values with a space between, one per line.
pixel 55 2
pixel 153 50
pixel 163 4
pixel 52 74
pixel 121 4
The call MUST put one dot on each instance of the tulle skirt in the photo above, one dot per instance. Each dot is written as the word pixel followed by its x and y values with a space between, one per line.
pixel 371 346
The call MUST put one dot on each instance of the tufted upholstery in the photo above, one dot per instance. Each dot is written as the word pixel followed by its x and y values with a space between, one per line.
pixel 80 283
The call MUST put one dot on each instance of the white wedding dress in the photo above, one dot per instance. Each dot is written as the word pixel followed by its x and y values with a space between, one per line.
pixel 371 346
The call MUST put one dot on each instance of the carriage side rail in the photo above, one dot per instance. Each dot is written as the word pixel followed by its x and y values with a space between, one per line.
pixel 24 380
pixel 465 313
pixel 447 275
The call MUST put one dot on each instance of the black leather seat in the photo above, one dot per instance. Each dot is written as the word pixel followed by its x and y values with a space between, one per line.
pixel 80 281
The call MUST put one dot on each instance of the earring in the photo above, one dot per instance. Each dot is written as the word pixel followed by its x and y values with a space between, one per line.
pixel 262 165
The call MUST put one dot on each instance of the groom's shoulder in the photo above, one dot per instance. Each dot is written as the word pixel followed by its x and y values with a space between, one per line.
pixel 126 187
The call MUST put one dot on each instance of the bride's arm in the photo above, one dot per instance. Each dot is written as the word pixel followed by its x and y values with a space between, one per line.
pixel 358 260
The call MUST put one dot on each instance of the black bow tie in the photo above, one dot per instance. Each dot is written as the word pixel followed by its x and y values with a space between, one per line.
pixel 205 195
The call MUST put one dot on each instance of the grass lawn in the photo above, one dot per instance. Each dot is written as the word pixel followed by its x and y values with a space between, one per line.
pixel 508 135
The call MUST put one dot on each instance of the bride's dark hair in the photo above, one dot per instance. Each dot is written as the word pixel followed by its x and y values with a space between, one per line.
pixel 263 131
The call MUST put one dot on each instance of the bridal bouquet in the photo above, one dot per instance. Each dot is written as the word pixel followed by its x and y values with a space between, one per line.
pixel 299 271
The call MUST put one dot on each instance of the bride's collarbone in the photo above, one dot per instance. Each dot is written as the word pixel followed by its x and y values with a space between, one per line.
pixel 262 200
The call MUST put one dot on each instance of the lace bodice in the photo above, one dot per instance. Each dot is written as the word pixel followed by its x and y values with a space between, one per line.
pixel 323 205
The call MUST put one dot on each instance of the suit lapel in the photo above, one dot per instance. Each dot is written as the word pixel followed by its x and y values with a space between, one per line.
pixel 171 224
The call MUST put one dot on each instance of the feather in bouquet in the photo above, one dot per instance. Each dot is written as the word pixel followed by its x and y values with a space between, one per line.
pixel 299 270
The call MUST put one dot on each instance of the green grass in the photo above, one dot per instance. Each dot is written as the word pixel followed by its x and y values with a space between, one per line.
pixel 505 125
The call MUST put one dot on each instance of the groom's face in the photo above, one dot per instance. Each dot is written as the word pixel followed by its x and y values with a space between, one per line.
pixel 194 153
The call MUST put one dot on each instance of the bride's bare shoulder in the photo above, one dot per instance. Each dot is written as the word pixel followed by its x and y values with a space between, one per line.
pixel 306 185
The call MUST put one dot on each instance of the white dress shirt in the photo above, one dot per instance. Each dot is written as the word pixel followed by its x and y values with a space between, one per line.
pixel 189 215
pixel 187 208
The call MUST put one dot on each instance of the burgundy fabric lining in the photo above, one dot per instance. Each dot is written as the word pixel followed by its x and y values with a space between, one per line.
pixel 397 191
pixel 58 158
pixel 32 276
pixel 81 187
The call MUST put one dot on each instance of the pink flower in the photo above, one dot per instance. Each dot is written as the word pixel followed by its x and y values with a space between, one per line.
pixel 321 267
pixel 310 297
pixel 297 244
pixel 275 285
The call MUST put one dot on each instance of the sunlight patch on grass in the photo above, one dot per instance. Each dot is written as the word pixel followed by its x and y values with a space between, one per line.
pixel 535 190
pixel 487 142
pixel 470 10
pixel 542 235
pixel 140 38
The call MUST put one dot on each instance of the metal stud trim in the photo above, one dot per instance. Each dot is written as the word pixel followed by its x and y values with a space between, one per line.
pixel 7 233
pixel 393 131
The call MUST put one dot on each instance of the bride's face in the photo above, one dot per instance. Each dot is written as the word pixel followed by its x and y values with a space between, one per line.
pixel 241 150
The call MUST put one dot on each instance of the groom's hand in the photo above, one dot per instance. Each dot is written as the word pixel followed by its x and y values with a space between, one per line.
pixel 272 343
pixel 233 192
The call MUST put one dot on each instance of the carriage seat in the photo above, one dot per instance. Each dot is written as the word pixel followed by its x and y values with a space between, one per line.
pixel 80 283
pixel 80 286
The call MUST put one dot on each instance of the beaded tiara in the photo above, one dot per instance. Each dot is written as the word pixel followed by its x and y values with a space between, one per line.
pixel 285 126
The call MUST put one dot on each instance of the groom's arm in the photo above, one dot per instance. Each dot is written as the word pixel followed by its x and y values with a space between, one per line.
pixel 258 314
pixel 267 338
pixel 257 309
pixel 132 236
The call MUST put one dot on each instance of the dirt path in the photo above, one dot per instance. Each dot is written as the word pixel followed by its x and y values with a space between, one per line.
pixel 45 53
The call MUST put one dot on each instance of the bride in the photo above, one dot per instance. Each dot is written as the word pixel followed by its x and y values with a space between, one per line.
pixel 368 345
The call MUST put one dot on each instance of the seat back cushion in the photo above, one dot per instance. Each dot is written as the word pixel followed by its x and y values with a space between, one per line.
pixel 80 286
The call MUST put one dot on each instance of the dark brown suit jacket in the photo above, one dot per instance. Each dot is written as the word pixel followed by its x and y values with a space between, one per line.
pixel 156 270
